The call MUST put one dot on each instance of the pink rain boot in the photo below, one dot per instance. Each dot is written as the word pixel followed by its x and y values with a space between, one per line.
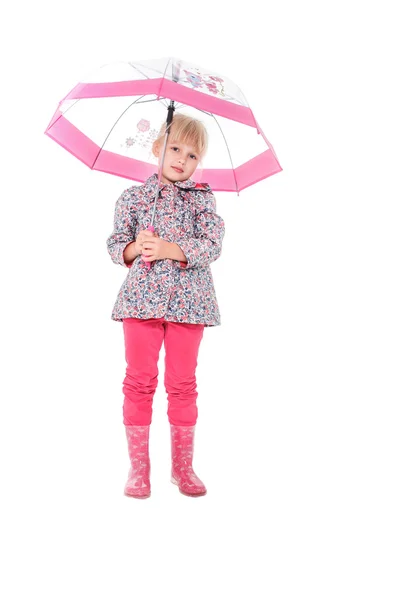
pixel 182 474
pixel 138 484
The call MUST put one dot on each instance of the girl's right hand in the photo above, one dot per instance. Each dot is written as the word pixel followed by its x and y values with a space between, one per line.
pixel 141 238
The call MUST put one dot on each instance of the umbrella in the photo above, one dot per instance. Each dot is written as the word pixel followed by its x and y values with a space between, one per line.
pixel 110 120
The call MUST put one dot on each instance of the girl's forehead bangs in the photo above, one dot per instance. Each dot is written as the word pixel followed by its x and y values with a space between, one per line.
pixel 185 130
pixel 190 137
pixel 187 139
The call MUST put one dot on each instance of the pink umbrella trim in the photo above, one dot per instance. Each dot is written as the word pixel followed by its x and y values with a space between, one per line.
pixel 224 180
pixel 165 89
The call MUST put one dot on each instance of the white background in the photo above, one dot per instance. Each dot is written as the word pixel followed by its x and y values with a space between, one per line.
pixel 297 437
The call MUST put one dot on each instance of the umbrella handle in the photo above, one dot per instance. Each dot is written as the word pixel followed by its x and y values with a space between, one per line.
pixel 148 264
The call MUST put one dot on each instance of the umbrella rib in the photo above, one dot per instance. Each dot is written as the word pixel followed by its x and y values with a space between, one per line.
pixel 69 107
pixel 226 144
pixel 163 77
pixel 121 115
pixel 133 65
pixel 229 153
pixel 162 100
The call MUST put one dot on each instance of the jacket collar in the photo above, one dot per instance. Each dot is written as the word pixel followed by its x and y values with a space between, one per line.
pixel 151 184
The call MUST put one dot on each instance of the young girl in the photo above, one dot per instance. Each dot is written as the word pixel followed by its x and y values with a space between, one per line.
pixel 170 302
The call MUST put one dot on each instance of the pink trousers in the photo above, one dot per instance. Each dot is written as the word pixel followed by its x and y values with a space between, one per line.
pixel 143 341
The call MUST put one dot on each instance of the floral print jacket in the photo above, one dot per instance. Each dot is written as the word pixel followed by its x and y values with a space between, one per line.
pixel 178 291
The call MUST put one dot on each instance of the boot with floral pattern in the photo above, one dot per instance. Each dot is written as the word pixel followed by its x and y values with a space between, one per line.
pixel 138 484
pixel 182 474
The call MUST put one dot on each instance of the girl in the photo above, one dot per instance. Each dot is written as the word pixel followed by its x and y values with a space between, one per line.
pixel 170 302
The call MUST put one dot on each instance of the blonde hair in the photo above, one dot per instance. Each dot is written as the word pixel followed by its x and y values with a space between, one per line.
pixel 186 130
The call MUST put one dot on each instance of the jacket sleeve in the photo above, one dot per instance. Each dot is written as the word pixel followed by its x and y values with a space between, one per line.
pixel 124 228
pixel 209 231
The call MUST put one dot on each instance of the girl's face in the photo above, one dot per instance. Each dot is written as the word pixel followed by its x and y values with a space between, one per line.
pixel 180 161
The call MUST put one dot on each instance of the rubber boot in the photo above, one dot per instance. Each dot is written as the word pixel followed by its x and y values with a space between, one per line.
pixel 138 484
pixel 182 474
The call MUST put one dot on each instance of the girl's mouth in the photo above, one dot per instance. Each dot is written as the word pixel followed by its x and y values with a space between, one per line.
pixel 178 170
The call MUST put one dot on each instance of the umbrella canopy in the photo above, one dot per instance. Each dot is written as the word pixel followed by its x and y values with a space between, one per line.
pixel 110 120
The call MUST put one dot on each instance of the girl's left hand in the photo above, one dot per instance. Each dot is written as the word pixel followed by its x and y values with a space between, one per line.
pixel 154 248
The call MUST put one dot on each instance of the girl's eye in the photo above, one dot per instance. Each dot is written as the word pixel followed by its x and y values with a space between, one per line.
pixel 175 148
pixel 193 156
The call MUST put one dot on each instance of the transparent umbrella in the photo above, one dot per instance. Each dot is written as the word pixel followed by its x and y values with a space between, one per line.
pixel 110 120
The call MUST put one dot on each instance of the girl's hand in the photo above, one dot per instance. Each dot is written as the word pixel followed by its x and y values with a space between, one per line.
pixel 142 236
pixel 154 247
